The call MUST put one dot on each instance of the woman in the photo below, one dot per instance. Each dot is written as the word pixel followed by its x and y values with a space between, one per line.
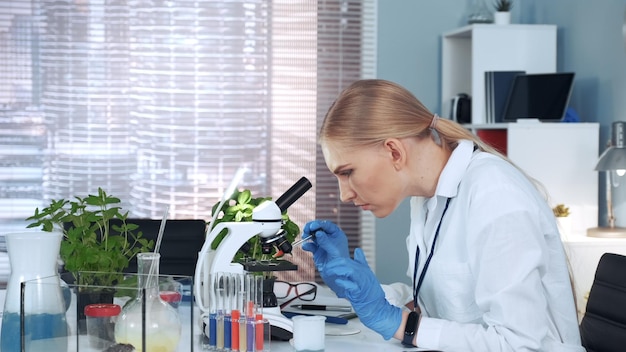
pixel 488 267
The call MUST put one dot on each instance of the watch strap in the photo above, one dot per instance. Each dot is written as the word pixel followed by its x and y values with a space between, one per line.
pixel 410 329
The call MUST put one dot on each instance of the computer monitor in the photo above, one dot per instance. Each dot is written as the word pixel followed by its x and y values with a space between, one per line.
pixel 539 96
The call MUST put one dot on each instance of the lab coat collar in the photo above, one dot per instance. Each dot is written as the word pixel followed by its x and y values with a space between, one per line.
pixel 453 172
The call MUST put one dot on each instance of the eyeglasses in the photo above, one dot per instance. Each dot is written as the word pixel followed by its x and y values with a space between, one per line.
pixel 304 291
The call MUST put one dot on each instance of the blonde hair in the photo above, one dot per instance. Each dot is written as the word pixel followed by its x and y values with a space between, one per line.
pixel 370 111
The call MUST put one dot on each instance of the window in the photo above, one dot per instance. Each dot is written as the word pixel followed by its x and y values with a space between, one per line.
pixel 159 102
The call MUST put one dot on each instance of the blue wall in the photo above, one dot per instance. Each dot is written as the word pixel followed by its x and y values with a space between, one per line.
pixel 590 43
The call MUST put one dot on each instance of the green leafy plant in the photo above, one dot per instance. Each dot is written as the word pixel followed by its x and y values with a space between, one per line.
pixel 239 208
pixel 560 211
pixel 92 240
pixel 503 5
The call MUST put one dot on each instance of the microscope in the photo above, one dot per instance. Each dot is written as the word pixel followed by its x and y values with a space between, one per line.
pixel 267 224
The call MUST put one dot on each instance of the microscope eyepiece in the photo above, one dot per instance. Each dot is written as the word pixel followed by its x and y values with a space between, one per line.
pixel 293 194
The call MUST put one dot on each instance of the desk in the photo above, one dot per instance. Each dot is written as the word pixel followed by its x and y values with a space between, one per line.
pixel 365 340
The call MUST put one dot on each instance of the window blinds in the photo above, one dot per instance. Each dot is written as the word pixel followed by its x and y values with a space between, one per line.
pixel 159 102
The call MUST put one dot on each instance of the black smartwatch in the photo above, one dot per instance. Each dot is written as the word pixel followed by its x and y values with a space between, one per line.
pixel 410 328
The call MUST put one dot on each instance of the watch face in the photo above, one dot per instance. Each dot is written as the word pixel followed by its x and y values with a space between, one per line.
pixel 410 328
pixel 411 324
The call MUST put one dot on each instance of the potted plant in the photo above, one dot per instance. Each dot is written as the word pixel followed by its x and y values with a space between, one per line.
pixel 91 241
pixel 562 212
pixel 97 243
pixel 503 11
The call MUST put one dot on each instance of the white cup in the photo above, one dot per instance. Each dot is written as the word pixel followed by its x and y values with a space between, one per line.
pixel 308 332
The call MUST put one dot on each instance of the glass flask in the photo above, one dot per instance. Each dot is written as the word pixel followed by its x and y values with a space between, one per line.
pixel 45 324
pixel 163 326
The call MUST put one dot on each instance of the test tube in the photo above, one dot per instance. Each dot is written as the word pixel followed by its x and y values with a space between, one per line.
pixel 234 333
pixel 246 331
pixel 228 307
pixel 259 327
pixel 258 294
pixel 243 345
pixel 212 313
pixel 220 291
pixel 247 309
pixel 236 313
pixel 254 308
pixel 250 334
pixel 257 322
pixel 262 329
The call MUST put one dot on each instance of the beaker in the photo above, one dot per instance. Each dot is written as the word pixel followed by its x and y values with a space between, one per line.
pixel 309 332
pixel 162 323
pixel 33 257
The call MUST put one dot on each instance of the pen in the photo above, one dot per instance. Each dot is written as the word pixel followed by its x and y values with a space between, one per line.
pixel 323 307
pixel 329 319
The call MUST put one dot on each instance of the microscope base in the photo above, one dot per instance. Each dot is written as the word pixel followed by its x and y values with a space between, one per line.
pixel 281 327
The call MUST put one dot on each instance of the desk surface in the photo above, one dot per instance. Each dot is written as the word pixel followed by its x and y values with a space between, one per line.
pixel 338 337
pixel 365 340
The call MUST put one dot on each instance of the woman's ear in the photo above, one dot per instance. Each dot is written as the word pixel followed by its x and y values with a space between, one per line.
pixel 396 151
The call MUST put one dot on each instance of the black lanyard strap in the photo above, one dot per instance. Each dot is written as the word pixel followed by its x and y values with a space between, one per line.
pixel 418 283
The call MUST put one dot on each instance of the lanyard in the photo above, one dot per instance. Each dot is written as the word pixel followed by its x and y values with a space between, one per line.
pixel 418 284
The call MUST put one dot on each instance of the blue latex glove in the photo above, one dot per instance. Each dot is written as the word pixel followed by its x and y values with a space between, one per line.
pixel 355 281
pixel 329 242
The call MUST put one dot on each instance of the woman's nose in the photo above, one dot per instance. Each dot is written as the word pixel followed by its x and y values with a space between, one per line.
pixel 345 193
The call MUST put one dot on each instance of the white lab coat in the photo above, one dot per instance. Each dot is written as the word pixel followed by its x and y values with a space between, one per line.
pixel 498 279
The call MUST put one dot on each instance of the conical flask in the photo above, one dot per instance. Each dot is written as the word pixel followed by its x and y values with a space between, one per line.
pixel 163 326
pixel 33 257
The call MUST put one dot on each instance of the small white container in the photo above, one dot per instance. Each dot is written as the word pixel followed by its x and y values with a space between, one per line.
pixel 502 17
pixel 309 332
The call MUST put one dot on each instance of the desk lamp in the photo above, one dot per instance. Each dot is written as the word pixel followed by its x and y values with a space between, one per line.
pixel 612 161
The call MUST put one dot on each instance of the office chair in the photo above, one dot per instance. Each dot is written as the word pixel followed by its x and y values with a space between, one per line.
pixel 181 243
pixel 603 327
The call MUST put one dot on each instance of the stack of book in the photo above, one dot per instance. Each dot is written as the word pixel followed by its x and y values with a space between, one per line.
pixel 497 89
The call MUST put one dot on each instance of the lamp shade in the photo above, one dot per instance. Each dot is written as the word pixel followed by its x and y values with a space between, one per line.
pixel 614 157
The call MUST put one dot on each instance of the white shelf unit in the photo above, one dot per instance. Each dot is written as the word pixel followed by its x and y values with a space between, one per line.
pixel 470 51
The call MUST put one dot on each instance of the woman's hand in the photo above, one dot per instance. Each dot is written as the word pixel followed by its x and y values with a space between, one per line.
pixel 354 280
pixel 328 241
